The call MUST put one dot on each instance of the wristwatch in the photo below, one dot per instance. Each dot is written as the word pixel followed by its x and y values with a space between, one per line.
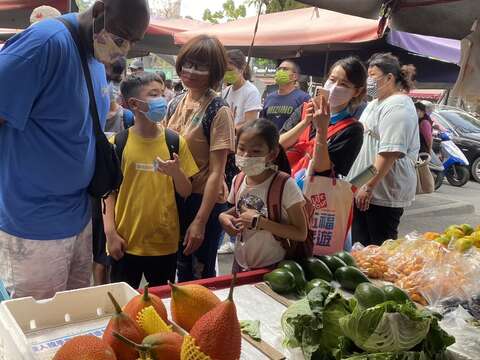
pixel 256 222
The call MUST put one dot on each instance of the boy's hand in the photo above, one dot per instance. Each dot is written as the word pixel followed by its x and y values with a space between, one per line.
pixel 229 224
pixel 169 167
pixel 246 218
pixel 116 245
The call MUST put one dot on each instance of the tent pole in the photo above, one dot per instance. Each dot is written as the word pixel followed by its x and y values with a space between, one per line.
pixel 325 68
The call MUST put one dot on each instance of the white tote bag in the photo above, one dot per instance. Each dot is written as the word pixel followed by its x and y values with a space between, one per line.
pixel 332 203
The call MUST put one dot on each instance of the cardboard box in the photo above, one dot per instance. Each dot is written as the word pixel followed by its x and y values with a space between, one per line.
pixel 35 330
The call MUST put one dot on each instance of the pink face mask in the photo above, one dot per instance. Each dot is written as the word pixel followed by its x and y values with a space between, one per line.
pixel 339 95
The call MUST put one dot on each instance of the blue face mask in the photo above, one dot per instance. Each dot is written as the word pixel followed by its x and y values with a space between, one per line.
pixel 157 109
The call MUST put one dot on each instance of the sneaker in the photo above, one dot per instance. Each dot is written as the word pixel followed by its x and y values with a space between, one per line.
pixel 226 248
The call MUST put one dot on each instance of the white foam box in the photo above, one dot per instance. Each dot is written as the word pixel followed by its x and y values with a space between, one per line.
pixel 34 330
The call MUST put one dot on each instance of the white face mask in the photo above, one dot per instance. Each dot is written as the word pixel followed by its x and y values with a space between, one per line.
pixel 339 95
pixel 251 166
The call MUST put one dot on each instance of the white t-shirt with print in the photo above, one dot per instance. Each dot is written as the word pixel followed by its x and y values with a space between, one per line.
pixel 242 100
pixel 257 249
pixel 391 125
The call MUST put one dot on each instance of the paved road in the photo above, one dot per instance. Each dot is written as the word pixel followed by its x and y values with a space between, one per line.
pixel 433 212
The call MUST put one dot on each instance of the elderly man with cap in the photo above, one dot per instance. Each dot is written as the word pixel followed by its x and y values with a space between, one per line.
pixel 48 146
pixel 136 67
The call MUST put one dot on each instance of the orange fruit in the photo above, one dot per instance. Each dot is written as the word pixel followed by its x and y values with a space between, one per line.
pixel 87 347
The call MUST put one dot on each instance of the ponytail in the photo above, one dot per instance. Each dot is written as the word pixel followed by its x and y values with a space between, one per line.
pixel 282 161
pixel 407 77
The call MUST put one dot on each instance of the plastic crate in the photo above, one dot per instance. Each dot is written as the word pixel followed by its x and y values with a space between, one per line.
pixel 34 330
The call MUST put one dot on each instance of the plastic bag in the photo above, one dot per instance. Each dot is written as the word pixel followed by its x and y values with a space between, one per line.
pixel 371 260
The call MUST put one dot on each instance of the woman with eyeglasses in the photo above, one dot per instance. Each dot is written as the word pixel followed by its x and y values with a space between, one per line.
pixel 206 123
pixel 391 143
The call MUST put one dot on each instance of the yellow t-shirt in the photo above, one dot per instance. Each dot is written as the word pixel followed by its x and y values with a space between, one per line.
pixel 146 213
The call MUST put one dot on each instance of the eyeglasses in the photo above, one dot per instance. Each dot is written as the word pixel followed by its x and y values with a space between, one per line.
pixel 284 68
pixel 196 66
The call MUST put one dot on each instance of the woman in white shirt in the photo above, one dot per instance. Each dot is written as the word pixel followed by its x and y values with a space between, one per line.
pixel 391 143
pixel 242 96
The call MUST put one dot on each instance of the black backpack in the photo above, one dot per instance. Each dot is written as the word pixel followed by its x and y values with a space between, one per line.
pixel 216 104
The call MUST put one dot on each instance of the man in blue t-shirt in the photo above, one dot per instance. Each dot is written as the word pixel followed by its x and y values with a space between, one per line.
pixel 47 144
pixel 281 104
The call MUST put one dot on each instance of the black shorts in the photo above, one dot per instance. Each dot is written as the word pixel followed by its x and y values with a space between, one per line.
pixel 98 235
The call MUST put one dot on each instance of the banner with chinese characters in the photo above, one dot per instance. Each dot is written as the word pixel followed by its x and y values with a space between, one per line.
pixel 332 202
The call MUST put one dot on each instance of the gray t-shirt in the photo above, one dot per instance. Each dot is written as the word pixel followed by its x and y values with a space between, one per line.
pixel 391 125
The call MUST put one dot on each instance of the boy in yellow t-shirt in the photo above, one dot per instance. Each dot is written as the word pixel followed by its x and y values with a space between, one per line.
pixel 141 220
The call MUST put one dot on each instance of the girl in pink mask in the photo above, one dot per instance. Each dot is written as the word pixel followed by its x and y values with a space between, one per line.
pixel 340 135
pixel 267 207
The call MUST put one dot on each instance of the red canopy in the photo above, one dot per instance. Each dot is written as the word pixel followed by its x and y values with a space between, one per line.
pixel 173 26
pixel 287 33
pixel 16 13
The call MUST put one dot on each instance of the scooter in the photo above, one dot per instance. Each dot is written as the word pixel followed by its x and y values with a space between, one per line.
pixel 454 161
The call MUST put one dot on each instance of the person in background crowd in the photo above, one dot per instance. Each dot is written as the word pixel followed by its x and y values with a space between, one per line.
pixel 244 100
pixel 346 89
pixel 280 105
pixel 142 221
pixel 118 117
pixel 242 96
pixel 205 121
pixel 391 143
pixel 168 94
pixel 136 67
pixel 425 125
pixel 43 12
pixel 261 158
pixel 45 222
pixel 178 88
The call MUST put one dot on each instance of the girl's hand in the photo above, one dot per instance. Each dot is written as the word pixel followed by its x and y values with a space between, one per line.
pixel 321 116
pixel 363 198
pixel 169 167
pixel 246 218
pixel 229 224
pixel 116 245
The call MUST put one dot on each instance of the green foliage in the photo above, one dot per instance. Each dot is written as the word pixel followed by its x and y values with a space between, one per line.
pixel 229 13
pixel 274 6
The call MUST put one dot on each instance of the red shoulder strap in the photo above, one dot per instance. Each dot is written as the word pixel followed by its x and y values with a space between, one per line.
pixel 341 125
pixel 236 186
pixel 275 195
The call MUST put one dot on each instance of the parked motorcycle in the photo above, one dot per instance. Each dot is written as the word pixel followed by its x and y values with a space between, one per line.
pixel 456 166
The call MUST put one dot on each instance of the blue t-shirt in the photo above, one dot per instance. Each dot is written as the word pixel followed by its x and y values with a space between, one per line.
pixel 47 144
pixel 278 108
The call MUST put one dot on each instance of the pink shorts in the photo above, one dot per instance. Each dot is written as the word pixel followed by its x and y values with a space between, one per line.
pixel 40 268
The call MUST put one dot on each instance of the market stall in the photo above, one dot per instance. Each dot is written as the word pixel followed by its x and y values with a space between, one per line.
pixel 320 307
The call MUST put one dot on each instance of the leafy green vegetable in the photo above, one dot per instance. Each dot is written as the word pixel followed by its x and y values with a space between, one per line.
pixel 251 328
pixel 312 322
pixel 394 327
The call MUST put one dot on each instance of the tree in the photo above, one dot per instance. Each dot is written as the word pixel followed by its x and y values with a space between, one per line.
pixel 229 13
pixel 274 6
pixel 165 8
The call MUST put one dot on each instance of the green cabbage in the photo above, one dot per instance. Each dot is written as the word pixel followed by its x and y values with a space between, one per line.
pixel 388 327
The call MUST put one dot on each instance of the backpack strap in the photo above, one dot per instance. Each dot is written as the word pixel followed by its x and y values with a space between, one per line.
pixel 275 195
pixel 173 104
pixel 341 125
pixel 236 186
pixel 173 142
pixel 120 142
pixel 212 109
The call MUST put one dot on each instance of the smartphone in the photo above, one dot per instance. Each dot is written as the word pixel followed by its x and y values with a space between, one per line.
pixel 320 91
